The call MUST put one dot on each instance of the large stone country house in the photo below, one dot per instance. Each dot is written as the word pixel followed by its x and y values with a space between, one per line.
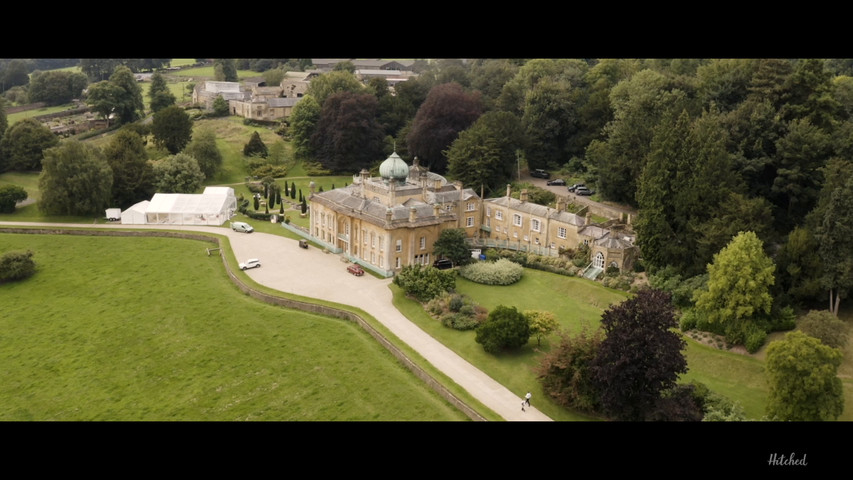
pixel 391 221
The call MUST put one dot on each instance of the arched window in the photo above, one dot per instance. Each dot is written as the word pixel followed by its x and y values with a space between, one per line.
pixel 598 261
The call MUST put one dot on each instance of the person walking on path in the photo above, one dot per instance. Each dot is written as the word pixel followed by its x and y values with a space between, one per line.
pixel 527 398
pixel 522 406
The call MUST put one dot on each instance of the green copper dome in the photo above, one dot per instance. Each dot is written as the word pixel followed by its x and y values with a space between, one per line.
pixel 394 168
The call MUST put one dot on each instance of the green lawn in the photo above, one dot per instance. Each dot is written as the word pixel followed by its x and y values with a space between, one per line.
pixel 151 329
pixel 579 303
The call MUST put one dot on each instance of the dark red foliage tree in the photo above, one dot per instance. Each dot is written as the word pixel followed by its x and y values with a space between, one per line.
pixel 640 357
pixel 348 136
pixel 447 110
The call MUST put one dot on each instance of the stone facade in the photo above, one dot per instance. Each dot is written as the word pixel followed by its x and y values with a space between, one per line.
pixel 388 222
pixel 391 221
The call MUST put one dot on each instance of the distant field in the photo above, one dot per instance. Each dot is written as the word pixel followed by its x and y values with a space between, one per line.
pixel 151 329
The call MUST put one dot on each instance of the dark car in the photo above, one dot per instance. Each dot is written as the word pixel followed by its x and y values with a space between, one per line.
pixel 355 269
pixel 584 191
pixel 539 173
pixel 442 264
pixel 576 186
pixel 558 181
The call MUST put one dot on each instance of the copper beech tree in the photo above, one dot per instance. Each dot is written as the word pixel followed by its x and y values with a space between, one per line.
pixel 640 357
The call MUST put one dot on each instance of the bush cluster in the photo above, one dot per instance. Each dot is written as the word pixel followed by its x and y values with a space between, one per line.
pixel 16 266
pixel 425 282
pixel 267 170
pixel 826 327
pixel 456 311
pixel 499 272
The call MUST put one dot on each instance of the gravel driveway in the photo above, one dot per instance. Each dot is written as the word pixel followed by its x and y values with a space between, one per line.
pixel 324 276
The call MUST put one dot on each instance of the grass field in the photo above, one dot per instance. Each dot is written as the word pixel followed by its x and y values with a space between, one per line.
pixel 578 304
pixel 151 329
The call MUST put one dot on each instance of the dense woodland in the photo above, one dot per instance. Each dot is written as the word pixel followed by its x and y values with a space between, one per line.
pixel 702 148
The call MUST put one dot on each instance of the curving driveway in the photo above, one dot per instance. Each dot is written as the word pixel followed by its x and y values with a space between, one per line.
pixel 328 279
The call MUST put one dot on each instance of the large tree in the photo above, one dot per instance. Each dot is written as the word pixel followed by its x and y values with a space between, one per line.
pixel 225 70
pixel 800 156
pixel 447 110
pixel 551 121
pixel 203 148
pixel 303 124
pixel 177 174
pixel 737 296
pixel 486 153
pixel 640 357
pixel 638 104
pixel 835 245
pixel 348 137
pixel 328 84
pixel 75 180
pixel 159 94
pixel 23 144
pixel 803 377
pixel 451 245
pixel 687 181
pixel 566 371
pixel 56 87
pixel 103 98
pixel 133 176
pixel 172 128
pixel 130 106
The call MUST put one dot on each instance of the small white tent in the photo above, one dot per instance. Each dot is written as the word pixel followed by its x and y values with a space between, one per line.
pixel 135 215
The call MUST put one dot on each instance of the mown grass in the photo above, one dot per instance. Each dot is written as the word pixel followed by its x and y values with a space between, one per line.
pixel 151 329
pixel 578 304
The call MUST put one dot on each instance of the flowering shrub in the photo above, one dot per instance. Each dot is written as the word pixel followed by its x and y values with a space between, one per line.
pixel 499 272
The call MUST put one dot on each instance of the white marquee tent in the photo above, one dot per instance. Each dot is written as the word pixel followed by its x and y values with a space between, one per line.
pixel 135 215
pixel 213 207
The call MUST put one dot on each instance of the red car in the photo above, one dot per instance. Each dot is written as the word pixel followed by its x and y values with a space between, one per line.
pixel 355 269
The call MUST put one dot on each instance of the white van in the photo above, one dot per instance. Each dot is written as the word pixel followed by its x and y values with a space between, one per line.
pixel 242 227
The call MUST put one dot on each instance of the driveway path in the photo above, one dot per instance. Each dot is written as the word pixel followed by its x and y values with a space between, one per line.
pixel 328 279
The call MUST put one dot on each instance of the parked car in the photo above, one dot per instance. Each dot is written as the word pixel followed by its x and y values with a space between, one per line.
pixel 557 181
pixel 355 269
pixel 242 227
pixel 539 173
pixel 303 243
pixel 251 263
pixel 442 264
pixel 576 186
pixel 584 191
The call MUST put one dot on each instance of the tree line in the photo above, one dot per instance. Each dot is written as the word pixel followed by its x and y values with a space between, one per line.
pixel 703 148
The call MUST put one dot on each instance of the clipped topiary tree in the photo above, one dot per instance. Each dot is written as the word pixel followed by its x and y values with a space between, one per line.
pixel 256 147
pixel 505 329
